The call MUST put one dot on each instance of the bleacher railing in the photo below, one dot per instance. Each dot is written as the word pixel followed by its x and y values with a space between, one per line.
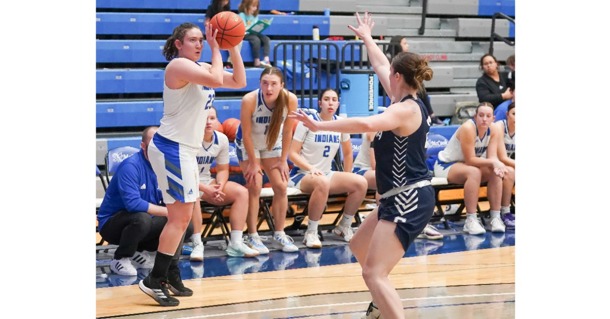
pixel 354 57
pixel 424 13
pixel 495 36
pixel 308 67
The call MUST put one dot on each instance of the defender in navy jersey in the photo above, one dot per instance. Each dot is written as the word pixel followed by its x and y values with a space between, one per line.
pixel 403 179
pixel 188 93
pixel 312 154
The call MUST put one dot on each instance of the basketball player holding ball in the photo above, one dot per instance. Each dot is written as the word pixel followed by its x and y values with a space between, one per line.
pixel 188 94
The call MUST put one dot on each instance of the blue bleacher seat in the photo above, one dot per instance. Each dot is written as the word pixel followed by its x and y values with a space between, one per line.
pixel 122 81
pixel 446 131
pixel 150 51
pixel 132 23
pixel 490 7
pixel 201 5
pixel 128 113
pixel 146 113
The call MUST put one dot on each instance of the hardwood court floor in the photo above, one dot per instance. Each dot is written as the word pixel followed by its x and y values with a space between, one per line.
pixel 468 284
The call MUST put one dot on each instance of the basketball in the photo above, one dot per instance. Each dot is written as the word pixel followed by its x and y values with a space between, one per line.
pixel 231 29
pixel 217 126
pixel 230 127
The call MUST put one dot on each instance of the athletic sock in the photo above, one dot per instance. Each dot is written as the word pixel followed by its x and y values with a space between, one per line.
pixel 313 225
pixel 162 262
pixel 346 220
pixel 236 237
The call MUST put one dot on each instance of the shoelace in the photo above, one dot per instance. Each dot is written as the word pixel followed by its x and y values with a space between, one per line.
pixel 285 239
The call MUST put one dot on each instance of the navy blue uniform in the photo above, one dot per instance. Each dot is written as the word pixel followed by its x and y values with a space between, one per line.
pixel 403 179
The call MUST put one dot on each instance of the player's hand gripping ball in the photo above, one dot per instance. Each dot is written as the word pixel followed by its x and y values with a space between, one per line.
pixel 231 29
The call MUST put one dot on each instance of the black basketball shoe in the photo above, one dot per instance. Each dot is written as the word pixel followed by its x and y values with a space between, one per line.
pixel 175 282
pixel 156 288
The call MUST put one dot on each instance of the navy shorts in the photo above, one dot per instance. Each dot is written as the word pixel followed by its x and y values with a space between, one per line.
pixel 410 210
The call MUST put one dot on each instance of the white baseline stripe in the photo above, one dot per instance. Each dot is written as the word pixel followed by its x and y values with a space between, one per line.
pixel 342 304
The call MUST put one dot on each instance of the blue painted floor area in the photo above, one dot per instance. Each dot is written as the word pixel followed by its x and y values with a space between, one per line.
pixel 454 241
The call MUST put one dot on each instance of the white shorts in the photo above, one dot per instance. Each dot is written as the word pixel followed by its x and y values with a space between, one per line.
pixel 441 169
pixel 242 155
pixel 205 180
pixel 295 178
pixel 176 168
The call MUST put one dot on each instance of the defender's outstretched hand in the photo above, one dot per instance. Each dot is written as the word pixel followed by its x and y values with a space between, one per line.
pixel 309 123
pixel 365 25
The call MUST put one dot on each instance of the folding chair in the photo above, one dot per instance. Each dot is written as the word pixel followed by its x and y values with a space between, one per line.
pixel 99 174
pixel 115 156
pixel 216 219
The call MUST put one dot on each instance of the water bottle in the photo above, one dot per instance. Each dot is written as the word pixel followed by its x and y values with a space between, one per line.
pixel 316 33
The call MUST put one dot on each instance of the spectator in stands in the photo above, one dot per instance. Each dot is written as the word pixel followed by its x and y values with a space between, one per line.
pixel 219 191
pixel 386 234
pixel 188 93
pixel 510 64
pixel 312 154
pixel 132 213
pixel 363 165
pixel 263 139
pixel 506 154
pixel 502 109
pixel 215 7
pixel 470 158
pixel 248 11
pixel 492 86
pixel 400 44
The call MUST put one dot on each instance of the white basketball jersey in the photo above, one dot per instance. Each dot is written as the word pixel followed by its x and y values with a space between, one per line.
pixel 363 159
pixel 217 150
pixel 319 148
pixel 185 112
pixel 453 150
pixel 261 119
pixel 509 141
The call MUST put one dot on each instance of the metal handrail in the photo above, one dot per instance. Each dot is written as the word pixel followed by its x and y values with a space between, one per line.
pixel 323 56
pixel 494 36
pixel 424 13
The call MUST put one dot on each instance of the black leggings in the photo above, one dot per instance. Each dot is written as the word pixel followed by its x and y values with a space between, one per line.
pixel 135 232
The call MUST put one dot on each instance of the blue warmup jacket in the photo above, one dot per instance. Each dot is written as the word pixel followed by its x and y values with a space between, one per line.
pixel 132 188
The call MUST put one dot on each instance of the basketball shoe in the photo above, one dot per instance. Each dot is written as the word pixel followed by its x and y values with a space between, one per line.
pixel 285 242
pixel 197 253
pixel 473 226
pixel 372 312
pixel 241 250
pixel 256 243
pixel 175 284
pixel 156 288
pixel 430 232
pixel 143 259
pixel 344 232
pixel 123 267
pixel 311 240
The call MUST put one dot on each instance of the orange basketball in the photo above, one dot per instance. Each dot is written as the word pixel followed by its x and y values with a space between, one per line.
pixel 229 127
pixel 217 126
pixel 231 29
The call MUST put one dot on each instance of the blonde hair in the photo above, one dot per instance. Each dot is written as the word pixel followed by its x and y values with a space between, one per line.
pixel 281 104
